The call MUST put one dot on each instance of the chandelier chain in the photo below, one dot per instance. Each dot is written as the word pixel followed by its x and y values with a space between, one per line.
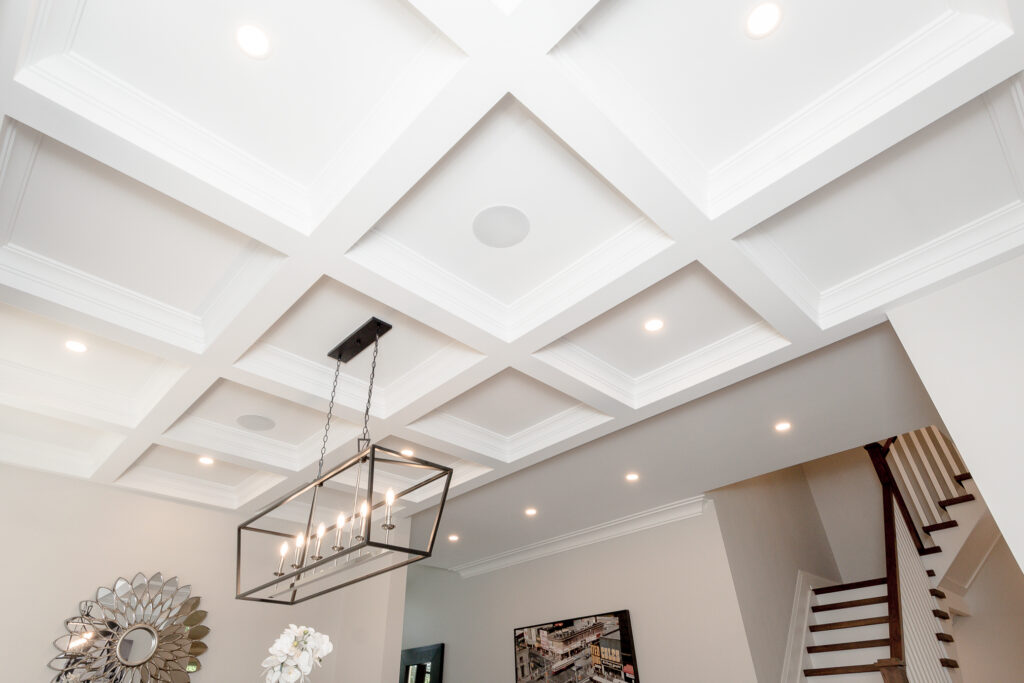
pixel 369 392
pixel 327 427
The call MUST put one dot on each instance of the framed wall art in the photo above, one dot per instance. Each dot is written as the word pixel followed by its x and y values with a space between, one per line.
pixel 593 649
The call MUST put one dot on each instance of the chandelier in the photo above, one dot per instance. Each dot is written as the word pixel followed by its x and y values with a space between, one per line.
pixel 344 526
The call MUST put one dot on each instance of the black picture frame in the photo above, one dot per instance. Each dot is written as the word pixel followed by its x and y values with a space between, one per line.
pixel 431 655
pixel 626 657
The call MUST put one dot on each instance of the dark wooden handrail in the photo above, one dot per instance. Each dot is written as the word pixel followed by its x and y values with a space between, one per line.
pixel 879 453
pixel 893 669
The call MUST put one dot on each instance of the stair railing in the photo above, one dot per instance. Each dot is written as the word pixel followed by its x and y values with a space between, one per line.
pixel 894 668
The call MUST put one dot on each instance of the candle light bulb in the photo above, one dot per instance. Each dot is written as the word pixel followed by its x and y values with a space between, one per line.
pixel 320 531
pixel 299 540
pixel 364 509
pixel 388 525
pixel 389 497
pixel 284 553
pixel 337 533
pixel 364 512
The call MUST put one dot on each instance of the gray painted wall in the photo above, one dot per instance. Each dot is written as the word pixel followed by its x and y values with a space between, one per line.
pixel 771 530
pixel 674 579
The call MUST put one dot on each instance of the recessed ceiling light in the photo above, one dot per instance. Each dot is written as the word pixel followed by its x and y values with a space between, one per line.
pixel 782 426
pixel 256 423
pixel 76 346
pixel 408 451
pixel 453 538
pixel 654 324
pixel 205 460
pixel 763 19
pixel 253 41
pixel 530 512
pixel 632 476
pixel 501 226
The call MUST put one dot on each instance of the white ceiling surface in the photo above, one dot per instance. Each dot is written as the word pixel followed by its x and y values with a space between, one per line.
pixel 210 225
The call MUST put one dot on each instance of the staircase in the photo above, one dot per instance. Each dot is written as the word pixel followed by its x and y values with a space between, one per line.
pixel 896 628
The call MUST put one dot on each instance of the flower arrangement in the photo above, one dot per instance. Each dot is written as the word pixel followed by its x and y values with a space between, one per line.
pixel 294 653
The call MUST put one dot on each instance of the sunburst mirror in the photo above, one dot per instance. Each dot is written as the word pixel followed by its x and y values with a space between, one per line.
pixel 139 631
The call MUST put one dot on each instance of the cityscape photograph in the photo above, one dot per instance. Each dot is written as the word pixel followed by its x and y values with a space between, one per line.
pixel 594 649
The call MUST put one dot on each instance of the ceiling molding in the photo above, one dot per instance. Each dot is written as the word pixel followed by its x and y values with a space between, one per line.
pixel 164 483
pixel 632 246
pixel 630 524
pixel 743 346
pixel 19 147
pixel 39 455
pixel 937 50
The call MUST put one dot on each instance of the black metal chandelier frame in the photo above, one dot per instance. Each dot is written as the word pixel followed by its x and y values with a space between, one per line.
pixel 305 569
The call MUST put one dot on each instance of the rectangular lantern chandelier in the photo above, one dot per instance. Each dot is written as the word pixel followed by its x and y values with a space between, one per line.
pixel 342 527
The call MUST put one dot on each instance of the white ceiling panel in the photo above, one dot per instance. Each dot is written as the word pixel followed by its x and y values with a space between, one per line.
pixel 168 471
pixel 413 357
pixel 109 381
pixel 857 242
pixel 35 441
pixel 706 329
pixel 144 245
pixel 577 230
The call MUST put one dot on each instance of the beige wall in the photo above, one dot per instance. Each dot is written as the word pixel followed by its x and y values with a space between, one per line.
pixel 965 341
pixel 849 500
pixel 673 579
pixel 771 530
pixel 62 538
pixel 988 643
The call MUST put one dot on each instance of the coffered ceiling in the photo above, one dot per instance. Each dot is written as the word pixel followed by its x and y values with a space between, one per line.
pixel 517 186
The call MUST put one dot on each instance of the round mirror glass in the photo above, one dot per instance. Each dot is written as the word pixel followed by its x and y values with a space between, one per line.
pixel 136 646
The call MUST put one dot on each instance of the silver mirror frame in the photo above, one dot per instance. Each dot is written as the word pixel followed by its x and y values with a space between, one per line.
pixel 90 650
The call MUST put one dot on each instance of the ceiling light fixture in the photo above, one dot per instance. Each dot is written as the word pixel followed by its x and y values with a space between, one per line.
pixel 453 538
pixel 654 324
pixel 205 460
pixel 76 346
pixel 782 426
pixel 763 19
pixel 632 476
pixel 331 548
pixel 253 40
pixel 531 512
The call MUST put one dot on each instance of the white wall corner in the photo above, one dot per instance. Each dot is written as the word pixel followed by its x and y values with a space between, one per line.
pixel 796 642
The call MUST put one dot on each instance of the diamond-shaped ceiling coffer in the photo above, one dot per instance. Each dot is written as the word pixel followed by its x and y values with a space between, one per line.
pixel 508 417
pixel 729 118
pixel 705 331
pixel 884 229
pixel 249 425
pixel 509 229
pixel 123 266
pixel 340 82
pixel 414 359
pixel 168 471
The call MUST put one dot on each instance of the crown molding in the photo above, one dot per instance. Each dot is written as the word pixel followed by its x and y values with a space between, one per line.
pixel 39 455
pixel 197 432
pixel 183 487
pixel 629 248
pixel 19 147
pixel 946 44
pixel 561 426
pixel 61 284
pixel 623 526
pixel 739 348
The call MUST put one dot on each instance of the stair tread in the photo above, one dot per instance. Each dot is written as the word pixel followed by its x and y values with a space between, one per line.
pixel 944 637
pixel 852 645
pixel 931 572
pixel 956 501
pixel 850 603
pixel 849 586
pixel 949 663
pixel 937 593
pixel 940 614
pixel 949 524
pixel 961 478
pixel 833 670
pixel 851 623
pixel 930 551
